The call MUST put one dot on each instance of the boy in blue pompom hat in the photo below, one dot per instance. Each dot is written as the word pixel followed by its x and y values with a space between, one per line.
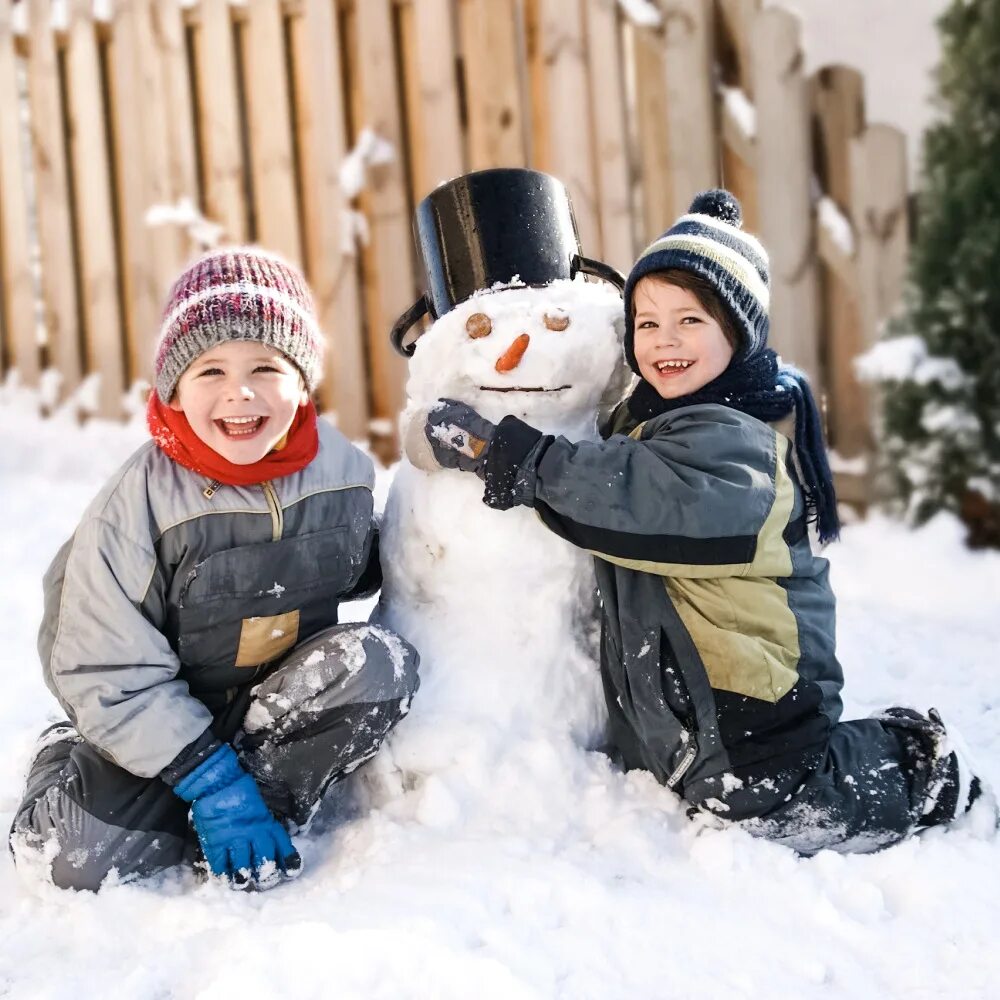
pixel 718 639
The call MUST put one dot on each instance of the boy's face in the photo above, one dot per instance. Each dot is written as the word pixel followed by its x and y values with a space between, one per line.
pixel 679 347
pixel 240 398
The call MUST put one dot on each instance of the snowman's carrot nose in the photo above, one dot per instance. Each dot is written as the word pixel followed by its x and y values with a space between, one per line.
pixel 511 358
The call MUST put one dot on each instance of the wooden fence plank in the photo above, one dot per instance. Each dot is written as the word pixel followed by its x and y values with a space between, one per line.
pixel 839 115
pixel 690 102
pixel 570 144
pixel 389 282
pixel 181 128
pixel 272 162
pixel 17 298
pixel 142 179
pixel 435 118
pixel 646 55
pixel 608 107
pixel 784 173
pixel 219 120
pixel 738 155
pixel 94 216
pixel 879 212
pixel 735 45
pixel 330 264
pixel 52 195
pixel 491 61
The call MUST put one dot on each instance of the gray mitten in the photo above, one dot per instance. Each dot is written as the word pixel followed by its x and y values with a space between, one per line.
pixel 459 437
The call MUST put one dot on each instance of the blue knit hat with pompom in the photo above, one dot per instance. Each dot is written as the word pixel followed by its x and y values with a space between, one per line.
pixel 709 241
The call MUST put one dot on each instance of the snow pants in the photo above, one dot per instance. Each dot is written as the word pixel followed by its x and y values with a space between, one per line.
pixel 317 716
pixel 864 789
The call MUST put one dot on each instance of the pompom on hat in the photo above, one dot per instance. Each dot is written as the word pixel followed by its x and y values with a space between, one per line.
pixel 709 241
pixel 238 293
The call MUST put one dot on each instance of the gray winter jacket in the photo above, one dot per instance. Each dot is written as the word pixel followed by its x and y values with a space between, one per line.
pixel 174 592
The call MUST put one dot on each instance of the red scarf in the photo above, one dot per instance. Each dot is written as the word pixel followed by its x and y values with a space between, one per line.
pixel 172 433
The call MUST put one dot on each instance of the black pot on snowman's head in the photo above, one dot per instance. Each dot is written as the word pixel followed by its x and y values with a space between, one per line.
pixel 493 228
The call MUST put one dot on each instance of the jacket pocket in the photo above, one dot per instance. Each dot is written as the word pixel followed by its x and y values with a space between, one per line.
pixel 246 606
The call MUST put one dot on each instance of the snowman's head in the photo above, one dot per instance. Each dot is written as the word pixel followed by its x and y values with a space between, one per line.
pixel 551 356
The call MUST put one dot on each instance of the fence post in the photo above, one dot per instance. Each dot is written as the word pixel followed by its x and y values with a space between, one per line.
pixel 94 217
pixel 180 128
pixel 17 298
pixel 52 197
pixel 569 144
pixel 653 151
pixel 879 212
pixel 219 120
pixel 490 65
pixel 272 162
pixel 388 275
pixel 735 60
pixel 331 261
pixel 839 112
pixel 689 103
pixel 436 131
pixel 139 113
pixel 784 178
pixel 606 90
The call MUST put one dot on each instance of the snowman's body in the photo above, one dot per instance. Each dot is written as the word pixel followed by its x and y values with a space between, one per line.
pixel 503 612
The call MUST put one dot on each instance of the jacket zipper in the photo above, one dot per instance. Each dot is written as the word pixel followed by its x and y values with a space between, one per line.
pixel 277 518
pixel 686 761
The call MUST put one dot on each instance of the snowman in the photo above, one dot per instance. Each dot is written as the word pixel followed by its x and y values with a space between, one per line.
pixel 502 611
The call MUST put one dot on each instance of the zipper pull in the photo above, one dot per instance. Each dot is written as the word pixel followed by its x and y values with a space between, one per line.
pixel 686 761
pixel 209 491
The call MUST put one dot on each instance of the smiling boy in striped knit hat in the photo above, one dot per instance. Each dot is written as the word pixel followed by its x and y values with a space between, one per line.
pixel 190 629
pixel 718 653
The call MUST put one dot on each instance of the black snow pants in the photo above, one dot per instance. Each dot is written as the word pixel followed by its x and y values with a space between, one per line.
pixel 863 789
pixel 315 717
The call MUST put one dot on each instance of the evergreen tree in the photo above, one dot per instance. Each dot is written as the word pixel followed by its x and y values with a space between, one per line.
pixel 942 394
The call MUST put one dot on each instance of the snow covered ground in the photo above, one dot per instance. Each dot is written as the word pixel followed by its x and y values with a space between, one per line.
pixel 547 873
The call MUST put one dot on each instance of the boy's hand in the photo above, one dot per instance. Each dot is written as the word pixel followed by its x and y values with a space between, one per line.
pixel 241 839
pixel 459 437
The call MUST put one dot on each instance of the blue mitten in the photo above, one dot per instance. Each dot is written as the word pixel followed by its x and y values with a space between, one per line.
pixel 240 837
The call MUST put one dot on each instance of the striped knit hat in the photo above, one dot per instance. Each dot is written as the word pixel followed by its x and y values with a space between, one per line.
pixel 710 242
pixel 238 293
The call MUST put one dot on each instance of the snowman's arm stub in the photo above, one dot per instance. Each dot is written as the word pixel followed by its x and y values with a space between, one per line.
pixel 699 492
pixel 416 447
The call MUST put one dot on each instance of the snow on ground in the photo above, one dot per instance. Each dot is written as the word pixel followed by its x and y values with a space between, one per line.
pixel 547 874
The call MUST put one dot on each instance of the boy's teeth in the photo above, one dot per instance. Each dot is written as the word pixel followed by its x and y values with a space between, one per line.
pixel 673 364
pixel 241 425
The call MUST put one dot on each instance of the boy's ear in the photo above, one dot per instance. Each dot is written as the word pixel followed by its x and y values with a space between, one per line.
pixel 174 403
pixel 304 395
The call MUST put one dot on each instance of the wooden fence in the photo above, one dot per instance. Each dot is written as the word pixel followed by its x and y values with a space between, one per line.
pixel 134 131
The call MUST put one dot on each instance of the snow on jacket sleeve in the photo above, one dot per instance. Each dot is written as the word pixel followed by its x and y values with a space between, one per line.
pixel 108 664
pixel 701 491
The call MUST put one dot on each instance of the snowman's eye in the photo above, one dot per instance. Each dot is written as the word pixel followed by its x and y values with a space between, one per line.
pixel 556 321
pixel 478 325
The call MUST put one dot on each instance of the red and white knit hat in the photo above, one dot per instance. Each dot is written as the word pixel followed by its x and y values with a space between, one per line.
pixel 238 293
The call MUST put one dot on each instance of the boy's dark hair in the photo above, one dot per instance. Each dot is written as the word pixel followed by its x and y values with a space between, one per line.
pixel 704 292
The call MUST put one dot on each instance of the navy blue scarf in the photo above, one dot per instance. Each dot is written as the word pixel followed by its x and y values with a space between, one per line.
pixel 759 386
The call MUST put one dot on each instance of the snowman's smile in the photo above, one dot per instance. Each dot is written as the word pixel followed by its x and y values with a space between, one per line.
pixel 520 388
